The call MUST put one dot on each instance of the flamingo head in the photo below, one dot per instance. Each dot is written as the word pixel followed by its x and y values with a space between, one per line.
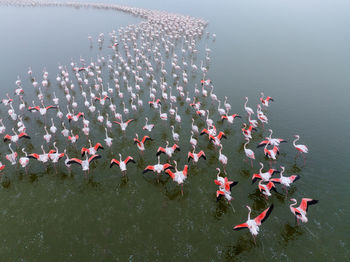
pixel 282 167
pixel 297 136
pixel 248 208
pixel 293 200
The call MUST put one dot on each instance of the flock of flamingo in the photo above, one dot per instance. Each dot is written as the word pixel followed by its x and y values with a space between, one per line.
pixel 153 65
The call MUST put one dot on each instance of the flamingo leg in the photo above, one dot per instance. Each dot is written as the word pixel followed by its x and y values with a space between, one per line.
pixel 251 162
pixel 182 189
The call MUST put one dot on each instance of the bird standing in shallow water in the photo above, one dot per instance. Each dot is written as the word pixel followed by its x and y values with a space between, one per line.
pixel 254 224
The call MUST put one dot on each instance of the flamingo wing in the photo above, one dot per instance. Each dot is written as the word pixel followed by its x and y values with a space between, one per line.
pixel 204 131
pixel 160 150
pixel 263 216
pixel 276 180
pixel 114 162
pixel 255 177
pixel 36 156
pixel 83 150
pixel 130 120
pixel 219 194
pixel 7 137
pixel 185 170
pixel 294 178
pixel 94 157
pixel 305 202
pixel 33 108
pixel 263 143
pixel 148 168
pixel 201 154
pixel 241 226
pixel 171 174
pixel 98 146
pixel 217 182
pixel 74 161
pixel 129 159
pixel 166 166
pixel 189 156
pixel 49 107
pixel 221 135
pixel 145 138
pixel 24 135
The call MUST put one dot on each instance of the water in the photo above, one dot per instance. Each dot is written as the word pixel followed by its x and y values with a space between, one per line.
pixel 296 52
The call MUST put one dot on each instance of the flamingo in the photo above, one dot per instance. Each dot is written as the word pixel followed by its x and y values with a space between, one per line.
pixel 108 140
pixel 73 138
pixel 217 139
pixel 65 131
pixel 178 176
pixel 254 224
pixel 75 117
pixel 271 153
pixel 21 105
pixel 47 136
pixel 2 166
pixel 2 127
pixel 155 103
pixel 163 116
pixel 54 155
pixel 92 150
pixel 24 160
pixel 248 152
pixel 222 157
pixel 122 163
pixel 193 141
pixel 247 132
pixel 224 187
pixel 176 136
pixel 44 157
pixel 301 148
pixel 254 123
pixel 42 110
pixel 8 101
pixel 264 176
pixel 230 118
pixel 271 141
pixel 53 129
pixel 221 110
pixel 169 151
pixel 141 144
pixel 227 105
pixel 15 137
pixel 263 119
pixel 300 212
pixel 286 181
pixel 266 101
pixel 194 127
pixel 248 109
pixel 147 126
pixel 123 125
pixel 85 164
pixel 211 131
pixel 12 157
pixel 266 189
pixel 195 156
pixel 157 168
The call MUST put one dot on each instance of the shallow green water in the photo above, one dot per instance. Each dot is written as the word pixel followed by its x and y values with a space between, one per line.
pixel 294 51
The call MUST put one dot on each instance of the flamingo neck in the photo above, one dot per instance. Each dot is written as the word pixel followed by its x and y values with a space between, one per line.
pixel 296 139
pixel 262 166
pixel 293 204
